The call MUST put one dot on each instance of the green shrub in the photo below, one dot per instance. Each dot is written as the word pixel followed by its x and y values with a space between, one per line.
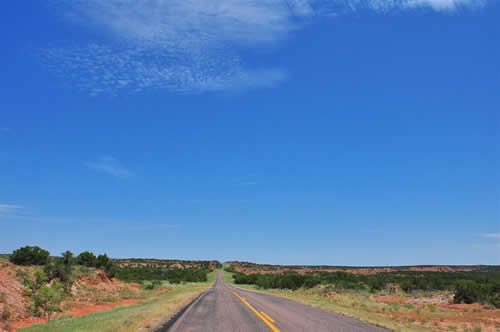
pixel 469 287
pixel 467 292
pixel 48 299
pixel 5 315
pixel 33 283
pixel 61 268
pixel 102 261
pixel 29 256
pixel 148 285
pixel 87 258
pixel 174 276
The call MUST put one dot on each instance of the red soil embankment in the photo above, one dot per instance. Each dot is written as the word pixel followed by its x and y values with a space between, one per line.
pixel 79 308
pixel 91 293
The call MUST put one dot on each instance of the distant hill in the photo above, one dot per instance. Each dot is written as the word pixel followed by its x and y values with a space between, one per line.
pixel 251 268
pixel 166 263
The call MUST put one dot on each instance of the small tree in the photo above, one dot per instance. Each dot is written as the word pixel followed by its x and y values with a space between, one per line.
pixel 107 265
pixel 49 298
pixel 87 258
pixel 33 284
pixel 65 270
pixel 29 256
pixel 50 269
pixel 68 259
pixel 103 261
pixel 467 291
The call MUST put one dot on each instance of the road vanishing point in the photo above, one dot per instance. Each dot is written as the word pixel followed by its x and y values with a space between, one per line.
pixel 226 308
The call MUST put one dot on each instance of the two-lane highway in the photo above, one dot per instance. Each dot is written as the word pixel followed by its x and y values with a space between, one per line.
pixel 226 308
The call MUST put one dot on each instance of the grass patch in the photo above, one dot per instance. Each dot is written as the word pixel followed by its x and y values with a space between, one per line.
pixel 130 318
pixel 228 277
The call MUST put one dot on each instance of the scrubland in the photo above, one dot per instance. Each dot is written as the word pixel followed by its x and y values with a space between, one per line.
pixel 40 292
pixel 402 299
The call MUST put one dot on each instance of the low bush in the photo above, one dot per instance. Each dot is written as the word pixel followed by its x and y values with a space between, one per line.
pixel 5 315
pixel 48 299
pixel 149 285
pixel 468 291
pixel 87 258
pixel 29 256
pixel 469 287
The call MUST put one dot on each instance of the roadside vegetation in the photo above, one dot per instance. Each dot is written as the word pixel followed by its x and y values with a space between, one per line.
pixel 148 314
pixel 402 301
pixel 51 281
pixel 36 287
pixel 468 287
pixel 174 276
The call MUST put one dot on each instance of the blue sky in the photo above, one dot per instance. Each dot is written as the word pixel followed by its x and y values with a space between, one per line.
pixel 349 132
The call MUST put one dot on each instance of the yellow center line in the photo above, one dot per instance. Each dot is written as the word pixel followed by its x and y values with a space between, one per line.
pixel 271 326
pixel 267 316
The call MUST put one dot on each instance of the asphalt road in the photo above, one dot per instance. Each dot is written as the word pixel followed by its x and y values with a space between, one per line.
pixel 226 308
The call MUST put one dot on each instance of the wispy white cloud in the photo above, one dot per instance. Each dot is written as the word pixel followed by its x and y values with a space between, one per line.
pixel 179 45
pixel 110 166
pixel 193 45
pixel 104 69
pixel 9 208
pixel 491 235
pixel 390 5
pixel 487 245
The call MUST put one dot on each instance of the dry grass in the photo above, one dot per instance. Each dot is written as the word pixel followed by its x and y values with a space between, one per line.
pixel 132 318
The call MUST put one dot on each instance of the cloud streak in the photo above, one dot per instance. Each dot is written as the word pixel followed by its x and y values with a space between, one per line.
pixel 492 235
pixel 193 46
pixel 397 5
pixel 9 208
pixel 103 69
pixel 109 165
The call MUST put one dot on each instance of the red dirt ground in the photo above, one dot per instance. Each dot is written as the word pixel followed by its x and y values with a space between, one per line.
pixel 458 317
pixel 79 308
pixel 11 292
